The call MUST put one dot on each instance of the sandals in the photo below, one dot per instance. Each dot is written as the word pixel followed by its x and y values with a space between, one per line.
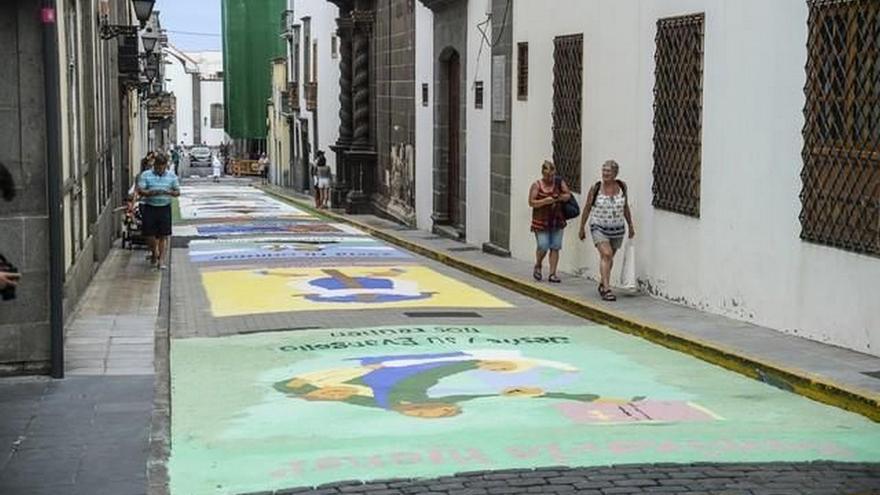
pixel 606 293
pixel 553 279
pixel 537 274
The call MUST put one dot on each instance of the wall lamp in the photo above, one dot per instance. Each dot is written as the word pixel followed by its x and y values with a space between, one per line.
pixel 151 67
pixel 149 38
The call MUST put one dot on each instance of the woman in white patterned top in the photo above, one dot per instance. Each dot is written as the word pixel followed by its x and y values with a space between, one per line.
pixel 607 209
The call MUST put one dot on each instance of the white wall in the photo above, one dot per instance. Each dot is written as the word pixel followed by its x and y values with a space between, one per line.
pixel 179 72
pixel 180 83
pixel 323 27
pixel 424 54
pixel 212 92
pixel 479 130
pixel 209 63
pixel 743 257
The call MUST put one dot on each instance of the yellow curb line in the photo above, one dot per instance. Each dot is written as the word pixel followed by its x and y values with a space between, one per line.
pixel 801 382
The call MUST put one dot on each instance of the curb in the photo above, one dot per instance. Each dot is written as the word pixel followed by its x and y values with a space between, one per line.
pixel 160 423
pixel 859 401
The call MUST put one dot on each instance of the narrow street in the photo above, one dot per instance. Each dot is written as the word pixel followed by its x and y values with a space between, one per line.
pixel 305 352
pixel 440 247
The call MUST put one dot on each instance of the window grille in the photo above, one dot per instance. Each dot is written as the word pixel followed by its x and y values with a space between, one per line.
pixel 522 71
pixel 840 196
pixel 216 116
pixel 678 114
pixel 568 67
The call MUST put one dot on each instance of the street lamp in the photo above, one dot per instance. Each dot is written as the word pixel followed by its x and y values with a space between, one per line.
pixel 151 67
pixel 143 9
pixel 149 38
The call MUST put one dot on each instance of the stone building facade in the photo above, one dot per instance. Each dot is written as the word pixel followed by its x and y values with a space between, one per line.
pixel 393 73
pixel 103 127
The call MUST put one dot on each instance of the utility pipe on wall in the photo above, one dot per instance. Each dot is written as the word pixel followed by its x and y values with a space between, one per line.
pixel 48 17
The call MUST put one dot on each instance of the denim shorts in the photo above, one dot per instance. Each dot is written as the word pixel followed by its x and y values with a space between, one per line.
pixel 549 240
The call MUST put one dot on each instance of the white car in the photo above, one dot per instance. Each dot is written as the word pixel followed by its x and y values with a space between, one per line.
pixel 200 156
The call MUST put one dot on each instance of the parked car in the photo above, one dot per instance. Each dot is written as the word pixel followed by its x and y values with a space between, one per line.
pixel 200 156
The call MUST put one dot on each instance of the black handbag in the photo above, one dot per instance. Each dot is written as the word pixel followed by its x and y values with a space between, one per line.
pixel 571 208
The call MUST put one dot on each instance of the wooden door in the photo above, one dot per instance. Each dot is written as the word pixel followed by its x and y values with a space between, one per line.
pixel 453 181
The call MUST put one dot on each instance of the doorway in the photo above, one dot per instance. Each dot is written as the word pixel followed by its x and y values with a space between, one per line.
pixel 453 137
pixel 449 160
pixel 306 153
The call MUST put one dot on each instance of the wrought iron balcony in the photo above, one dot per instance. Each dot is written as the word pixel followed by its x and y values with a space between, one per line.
pixel 285 102
pixel 311 90
pixel 293 92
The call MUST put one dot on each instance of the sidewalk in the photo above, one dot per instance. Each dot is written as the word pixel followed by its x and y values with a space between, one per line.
pixel 822 372
pixel 89 433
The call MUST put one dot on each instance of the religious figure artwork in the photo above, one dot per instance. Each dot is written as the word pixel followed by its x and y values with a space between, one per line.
pixel 238 292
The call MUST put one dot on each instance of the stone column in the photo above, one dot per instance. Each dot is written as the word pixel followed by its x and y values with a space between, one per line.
pixel 342 181
pixel 363 22
pixel 345 32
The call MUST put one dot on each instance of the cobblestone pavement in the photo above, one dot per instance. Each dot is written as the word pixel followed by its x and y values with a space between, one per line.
pixel 229 426
pixel 694 479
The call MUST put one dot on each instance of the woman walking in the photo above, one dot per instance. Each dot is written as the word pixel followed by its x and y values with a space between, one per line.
pixel 322 181
pixel 546 198
pixel 264 168
pixel 607 209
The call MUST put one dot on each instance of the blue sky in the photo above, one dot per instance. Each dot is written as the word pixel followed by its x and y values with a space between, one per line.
pixel 191 16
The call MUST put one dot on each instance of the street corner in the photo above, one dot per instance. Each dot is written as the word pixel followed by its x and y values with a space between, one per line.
pixel 256 291
pixel 302 408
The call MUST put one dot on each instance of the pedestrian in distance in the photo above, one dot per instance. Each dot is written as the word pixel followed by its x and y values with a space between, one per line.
pixel 607 211
pixel 158 186
pixel 546 198
pixel 322 181
pixel 216 168
pixel 175 158
pixel 9 275
pixel 264 168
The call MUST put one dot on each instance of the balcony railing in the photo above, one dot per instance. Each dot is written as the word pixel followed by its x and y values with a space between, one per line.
pixel 311 96
pixel 161 107
pixel 293 92
pixel 285 103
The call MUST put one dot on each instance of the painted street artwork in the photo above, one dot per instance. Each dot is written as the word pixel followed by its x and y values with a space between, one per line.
pixel 400 384
pixel 241 292
pixel 317 250
pixel 302 408
pixel 264 228
pixel 255 207
pixel 214 194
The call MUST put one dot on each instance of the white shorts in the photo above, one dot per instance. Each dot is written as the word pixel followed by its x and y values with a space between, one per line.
pixel 323 183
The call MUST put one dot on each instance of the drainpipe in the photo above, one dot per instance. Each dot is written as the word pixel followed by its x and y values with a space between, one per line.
pixel 48 16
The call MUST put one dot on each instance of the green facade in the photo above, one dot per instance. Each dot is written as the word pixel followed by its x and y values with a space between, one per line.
pixel 251 39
